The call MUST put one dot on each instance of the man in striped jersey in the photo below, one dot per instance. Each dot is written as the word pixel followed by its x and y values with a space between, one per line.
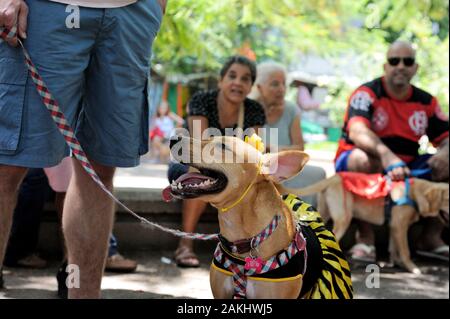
pixel 384 121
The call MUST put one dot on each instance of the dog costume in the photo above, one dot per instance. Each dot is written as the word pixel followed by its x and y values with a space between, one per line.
pixel 314 255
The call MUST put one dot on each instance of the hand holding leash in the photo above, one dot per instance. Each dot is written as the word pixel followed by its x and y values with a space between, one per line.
pixel 395 168
pixel 14 13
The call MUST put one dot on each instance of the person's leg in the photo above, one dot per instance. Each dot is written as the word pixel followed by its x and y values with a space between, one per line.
pixel 87 224
pixel 360 161
pixel 11 178
pixel 26 221
pixel 156 147
pixel 191 212
pixel 112 128
pixel 30 137
pixel 59 206
pixel 164 151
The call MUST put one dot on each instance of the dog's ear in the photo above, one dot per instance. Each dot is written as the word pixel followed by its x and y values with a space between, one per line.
pixel 281 166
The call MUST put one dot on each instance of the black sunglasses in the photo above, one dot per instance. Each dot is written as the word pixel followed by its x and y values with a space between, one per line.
pixel 408 61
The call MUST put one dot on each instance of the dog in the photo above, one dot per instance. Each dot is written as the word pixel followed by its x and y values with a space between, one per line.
pixel 341 205
pixel 271 246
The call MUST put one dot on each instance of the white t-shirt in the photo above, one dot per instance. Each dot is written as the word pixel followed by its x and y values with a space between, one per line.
pixel 98 3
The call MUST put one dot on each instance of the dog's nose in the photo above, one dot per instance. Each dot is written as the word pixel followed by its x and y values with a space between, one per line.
pixel 174 140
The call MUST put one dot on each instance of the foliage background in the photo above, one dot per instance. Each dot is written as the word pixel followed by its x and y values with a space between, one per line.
pixel 353 35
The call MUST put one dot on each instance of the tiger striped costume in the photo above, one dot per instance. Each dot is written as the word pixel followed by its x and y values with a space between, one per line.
pixel 328 275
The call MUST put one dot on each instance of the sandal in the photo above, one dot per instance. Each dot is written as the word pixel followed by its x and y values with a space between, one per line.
pixel 440 253
pixel 363 252
pixel 185 257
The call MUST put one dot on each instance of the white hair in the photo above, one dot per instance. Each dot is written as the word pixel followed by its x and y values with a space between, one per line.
pixel 264 70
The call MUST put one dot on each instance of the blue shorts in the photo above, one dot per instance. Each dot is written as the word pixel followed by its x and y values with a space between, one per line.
pixel 99 75
pixel 419 163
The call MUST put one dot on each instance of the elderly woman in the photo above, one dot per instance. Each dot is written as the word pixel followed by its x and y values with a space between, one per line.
pixel 284 116
pixel 221 109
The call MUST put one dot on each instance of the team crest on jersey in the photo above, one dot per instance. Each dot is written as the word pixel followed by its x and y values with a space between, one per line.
pixel 361 100
pixel 380 119
pixel 418 122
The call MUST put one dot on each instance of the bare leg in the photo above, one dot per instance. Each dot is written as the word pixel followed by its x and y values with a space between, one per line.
pixel 87 224
pixel 164 153
pixel 59 206
pixel 156 147
pixel 192 210
pixel 10 177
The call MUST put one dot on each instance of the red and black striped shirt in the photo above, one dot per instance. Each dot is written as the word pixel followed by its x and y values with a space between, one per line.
pixel 398 123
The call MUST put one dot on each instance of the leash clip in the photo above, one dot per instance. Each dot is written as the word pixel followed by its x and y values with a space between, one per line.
pixel 253 249
pixel 254 252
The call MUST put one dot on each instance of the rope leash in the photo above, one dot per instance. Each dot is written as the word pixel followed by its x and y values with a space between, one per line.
pixel 69 136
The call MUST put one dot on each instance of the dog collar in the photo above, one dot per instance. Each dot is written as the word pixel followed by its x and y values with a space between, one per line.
pixel 241 270
pixel 245 245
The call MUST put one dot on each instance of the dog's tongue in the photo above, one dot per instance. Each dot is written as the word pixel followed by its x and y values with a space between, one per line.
pixel 167 194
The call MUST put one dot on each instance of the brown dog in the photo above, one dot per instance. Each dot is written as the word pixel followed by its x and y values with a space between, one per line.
pixel 244 188
pixel 334 201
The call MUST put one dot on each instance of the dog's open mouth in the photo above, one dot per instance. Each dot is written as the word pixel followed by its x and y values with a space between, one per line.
pixel 192 185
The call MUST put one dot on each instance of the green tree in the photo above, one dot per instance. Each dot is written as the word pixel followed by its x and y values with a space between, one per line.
pixel 196 36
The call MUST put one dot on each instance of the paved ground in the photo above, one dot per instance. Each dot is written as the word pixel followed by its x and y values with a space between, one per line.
pixel 158 277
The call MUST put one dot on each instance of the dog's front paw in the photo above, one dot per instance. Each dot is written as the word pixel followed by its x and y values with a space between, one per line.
pixel 408 266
